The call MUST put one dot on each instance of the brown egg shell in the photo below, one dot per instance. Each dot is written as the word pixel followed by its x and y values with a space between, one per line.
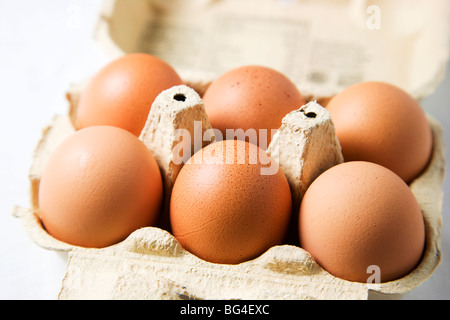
pixel 122 92
pixel 289 271
pixel 381 123
pixel 113 182
pixel 251 97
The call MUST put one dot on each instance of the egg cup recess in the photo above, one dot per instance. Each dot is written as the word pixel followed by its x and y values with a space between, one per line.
pixel 305 146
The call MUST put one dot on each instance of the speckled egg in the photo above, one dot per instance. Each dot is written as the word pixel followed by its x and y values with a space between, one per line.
pixel 251 98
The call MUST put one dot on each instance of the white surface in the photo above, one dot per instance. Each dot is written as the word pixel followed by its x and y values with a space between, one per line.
pixel 44 46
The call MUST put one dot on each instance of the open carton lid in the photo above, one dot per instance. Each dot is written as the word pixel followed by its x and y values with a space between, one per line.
pixel 323 46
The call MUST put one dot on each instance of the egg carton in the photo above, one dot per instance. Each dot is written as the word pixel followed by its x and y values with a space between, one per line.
pixel 202 39
pixel 151 264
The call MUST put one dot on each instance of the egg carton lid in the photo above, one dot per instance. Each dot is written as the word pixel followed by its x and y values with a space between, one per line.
pixel 323 46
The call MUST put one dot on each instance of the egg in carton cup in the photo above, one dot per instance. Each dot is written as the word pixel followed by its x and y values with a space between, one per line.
pixel 151 264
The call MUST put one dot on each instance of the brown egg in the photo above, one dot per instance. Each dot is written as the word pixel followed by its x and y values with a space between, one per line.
pixel 122 93
pixel 98 186
pixel 224 209
pixel 359 220
pixel 251 97
pixel 381 123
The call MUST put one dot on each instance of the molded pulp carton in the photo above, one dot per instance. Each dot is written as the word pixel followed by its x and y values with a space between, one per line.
pixel 203 39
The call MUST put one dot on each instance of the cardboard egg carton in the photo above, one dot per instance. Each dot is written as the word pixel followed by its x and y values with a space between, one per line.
pixel 150 263
pixel 352 41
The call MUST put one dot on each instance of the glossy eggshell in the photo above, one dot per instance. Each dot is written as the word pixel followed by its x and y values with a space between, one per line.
pixel 228 212
pixel 98 186
pixel 251 97
pixel 122 93
pixel 381 123
pixel 360 214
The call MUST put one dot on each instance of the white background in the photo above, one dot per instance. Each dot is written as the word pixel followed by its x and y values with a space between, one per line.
pixel 44 46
